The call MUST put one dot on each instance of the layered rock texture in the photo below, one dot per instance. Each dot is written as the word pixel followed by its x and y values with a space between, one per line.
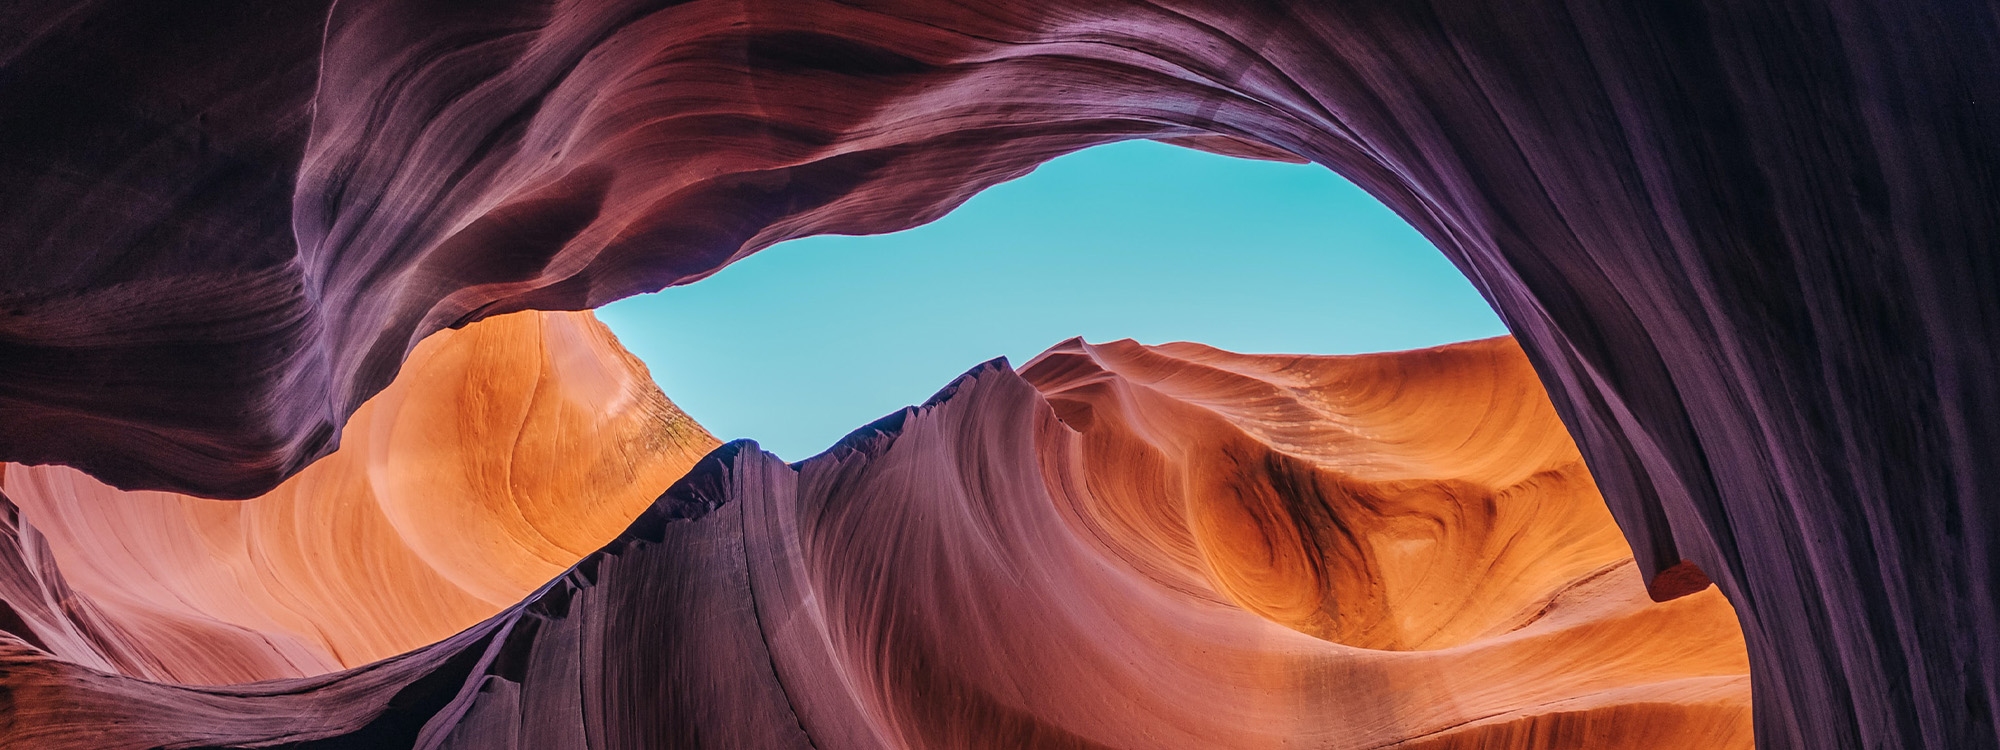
pixel 1120 546
pixel 1746 244
pixel 506 451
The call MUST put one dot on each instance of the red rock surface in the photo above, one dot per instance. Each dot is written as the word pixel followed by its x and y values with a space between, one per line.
pixel 1121 547
pixel 1744 243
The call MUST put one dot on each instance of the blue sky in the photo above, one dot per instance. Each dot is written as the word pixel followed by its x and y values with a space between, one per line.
pixel 805 341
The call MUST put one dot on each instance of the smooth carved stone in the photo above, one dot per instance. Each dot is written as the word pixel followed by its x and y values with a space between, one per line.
pixel 505 452
pixel 1033 561
pixel 1382 502
pixel 1746 244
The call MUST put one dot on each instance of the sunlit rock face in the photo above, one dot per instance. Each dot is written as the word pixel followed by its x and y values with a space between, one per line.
pixel 504 453
pixel 1122 546
pixel 1377 502
pixel 1745 244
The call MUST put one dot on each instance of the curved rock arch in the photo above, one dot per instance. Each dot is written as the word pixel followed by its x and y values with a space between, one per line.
pixel 1742 243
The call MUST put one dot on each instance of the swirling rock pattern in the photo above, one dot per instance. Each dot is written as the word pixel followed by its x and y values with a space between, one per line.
pixel 1744 243
pixel 1002 568
pixel 506 451
pixel 1378 502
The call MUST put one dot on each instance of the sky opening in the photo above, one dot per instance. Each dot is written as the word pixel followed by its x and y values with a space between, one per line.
pixel 805 341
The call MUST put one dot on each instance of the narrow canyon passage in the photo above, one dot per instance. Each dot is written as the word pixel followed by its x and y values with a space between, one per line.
pixel 1743 247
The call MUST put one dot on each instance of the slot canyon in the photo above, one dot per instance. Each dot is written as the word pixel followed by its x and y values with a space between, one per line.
pixel 309 437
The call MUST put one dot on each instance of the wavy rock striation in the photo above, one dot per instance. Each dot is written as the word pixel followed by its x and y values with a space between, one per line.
pixel 1061 558
pixel 506 451
pixel 1379 502
pixel 1744 243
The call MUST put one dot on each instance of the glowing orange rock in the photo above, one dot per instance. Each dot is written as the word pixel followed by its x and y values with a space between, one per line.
pixel 505 452
pixel 1120 546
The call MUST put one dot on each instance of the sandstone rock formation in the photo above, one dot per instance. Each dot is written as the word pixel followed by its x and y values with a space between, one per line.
pixel 1744 243
pixel 1122 546
pixel 506 451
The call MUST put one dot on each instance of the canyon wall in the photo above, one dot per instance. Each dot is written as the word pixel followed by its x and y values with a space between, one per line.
pixel 1745 244
pixel 505 452
pixel 1121 546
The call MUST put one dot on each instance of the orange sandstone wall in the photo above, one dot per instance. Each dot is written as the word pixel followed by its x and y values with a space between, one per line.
pixel 1118 546
pixel 504 452
pixel 1405 502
